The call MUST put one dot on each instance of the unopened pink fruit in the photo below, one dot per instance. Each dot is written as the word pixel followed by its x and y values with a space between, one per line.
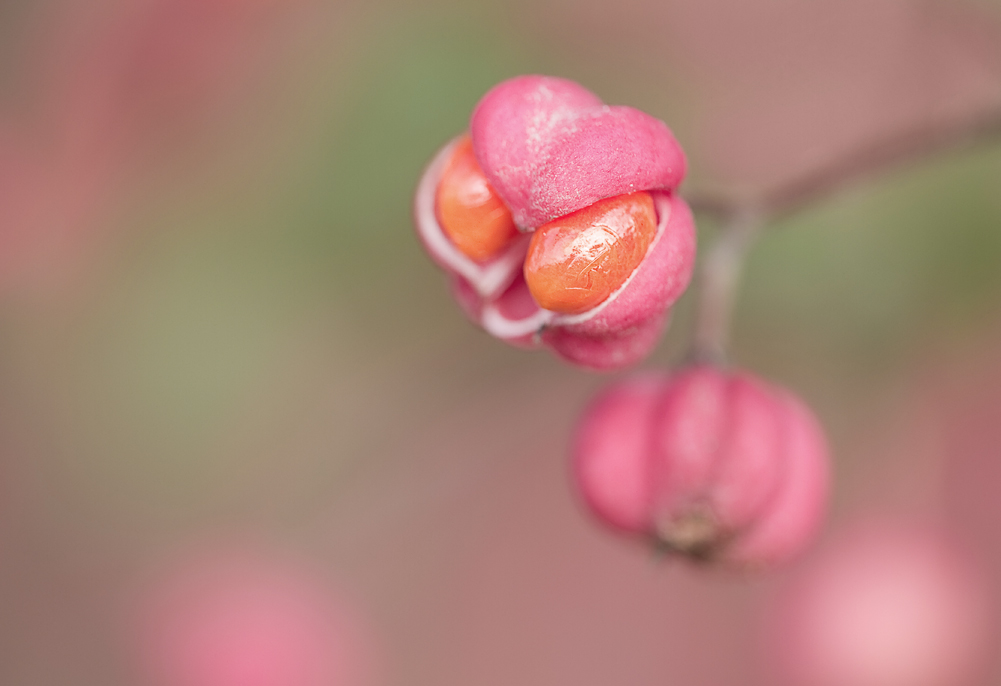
pixel 710 464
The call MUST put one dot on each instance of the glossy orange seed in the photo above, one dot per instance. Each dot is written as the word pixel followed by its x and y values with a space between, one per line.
pixel 575 262
pixel 470 212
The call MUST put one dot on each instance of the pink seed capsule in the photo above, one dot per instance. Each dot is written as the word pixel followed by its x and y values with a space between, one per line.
pixel 558 222
pixel 712 465
pixel 885 604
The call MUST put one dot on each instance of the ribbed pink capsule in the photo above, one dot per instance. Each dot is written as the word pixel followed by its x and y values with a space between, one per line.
pixel 707 463
pixel 549 148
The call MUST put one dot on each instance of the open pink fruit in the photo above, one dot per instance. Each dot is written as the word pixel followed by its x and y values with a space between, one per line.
pixel 713 465
pixel 885 604
pixel 598 182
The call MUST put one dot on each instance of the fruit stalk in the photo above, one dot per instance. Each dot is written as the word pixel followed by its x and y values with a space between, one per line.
pixel 871 158
pixel 717 278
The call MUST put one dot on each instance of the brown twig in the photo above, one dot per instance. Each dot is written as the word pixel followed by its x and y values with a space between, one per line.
pixel 919 142
pixel 743 217
pixel 718 274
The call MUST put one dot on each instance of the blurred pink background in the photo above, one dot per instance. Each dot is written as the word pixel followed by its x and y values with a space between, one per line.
pixel 217 325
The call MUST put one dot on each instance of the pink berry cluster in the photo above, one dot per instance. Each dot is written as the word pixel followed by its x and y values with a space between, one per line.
pixel 558 222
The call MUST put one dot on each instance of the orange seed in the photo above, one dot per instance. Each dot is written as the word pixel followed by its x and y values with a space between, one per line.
pixel 575 262
pixel 470 212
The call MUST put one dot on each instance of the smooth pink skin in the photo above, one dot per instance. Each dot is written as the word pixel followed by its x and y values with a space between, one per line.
pixel 751 458
pixel 719 445
pixel 688 427
pixel 797 509
pixel 653 451
pixel 611 453
pixel 550 147
pixel 885 604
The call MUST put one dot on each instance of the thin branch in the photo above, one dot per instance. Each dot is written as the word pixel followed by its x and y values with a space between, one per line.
pixel 873 158
pixel 718 275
